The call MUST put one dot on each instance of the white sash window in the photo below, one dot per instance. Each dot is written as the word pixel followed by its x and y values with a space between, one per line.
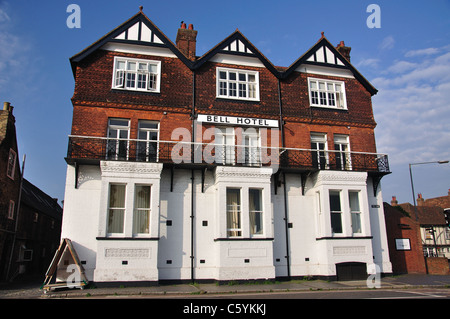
pixel 135 74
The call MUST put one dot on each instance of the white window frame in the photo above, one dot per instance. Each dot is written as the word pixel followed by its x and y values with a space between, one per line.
pixel 11 207
pixel 325 97
pixel 319 138
pixel 124 209
pixel 339 213
pixel 11 168
pixel 355 213
pixel 238 83
pixel 139 210
pixel 117 141
pixel 234 232
pixel 261 212
pixel 343 142
pixel 225 140
pixel 148 141
pixel 119 80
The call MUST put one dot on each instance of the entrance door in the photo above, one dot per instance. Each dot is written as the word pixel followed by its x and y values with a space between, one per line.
pixel 351 271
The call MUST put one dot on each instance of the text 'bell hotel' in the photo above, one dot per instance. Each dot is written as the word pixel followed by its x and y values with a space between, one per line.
pixel 221 167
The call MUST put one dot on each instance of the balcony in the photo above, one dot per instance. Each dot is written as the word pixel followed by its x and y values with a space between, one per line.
pixel 90 150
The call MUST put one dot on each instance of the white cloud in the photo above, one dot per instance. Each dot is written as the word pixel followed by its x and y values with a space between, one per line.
pixel 401 67
pixel 14 51
pixel 368 63
pixel 387 43
pixel 412 110
pixel 420 52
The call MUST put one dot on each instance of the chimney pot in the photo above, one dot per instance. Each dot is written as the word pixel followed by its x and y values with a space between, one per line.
pixel 420 200
pixel 394 201
pixel 6 106
pixel 186 40
pixel 344 50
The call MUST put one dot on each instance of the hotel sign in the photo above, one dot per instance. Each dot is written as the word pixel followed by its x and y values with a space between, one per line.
pixel 231 120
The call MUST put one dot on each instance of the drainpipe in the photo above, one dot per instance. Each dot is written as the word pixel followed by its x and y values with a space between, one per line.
pixel 192 176
pixel 286 223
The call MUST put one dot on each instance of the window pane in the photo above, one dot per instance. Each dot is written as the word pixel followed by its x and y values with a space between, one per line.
pixel 232 91
pixel 121 65
pixel 233 212
pixel 256 213
pixel 117 196
pixel 141 218
pixel 336 223
pixel 313 85
pixel 356 222
pixel 116 210
pixel 222 75
pixel 153 68
pixel 354 201
pixel 118 122
pixel 255 200
pixel 232 76
pixel 335 201
pixel 131 66
pixel 148 125
pixel 142 197
pixel 251 78
pixel 242 77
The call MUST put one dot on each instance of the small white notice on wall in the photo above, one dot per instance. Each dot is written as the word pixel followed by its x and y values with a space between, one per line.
pixel 402 244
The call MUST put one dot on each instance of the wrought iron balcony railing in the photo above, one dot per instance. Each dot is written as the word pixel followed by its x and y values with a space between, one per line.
pixel 176 152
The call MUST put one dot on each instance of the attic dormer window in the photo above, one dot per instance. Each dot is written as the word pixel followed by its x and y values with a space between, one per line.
pixel 237 84
pixel 136 75
pixel 325 93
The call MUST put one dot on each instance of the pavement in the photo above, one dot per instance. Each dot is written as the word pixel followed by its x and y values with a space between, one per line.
pixel 32 289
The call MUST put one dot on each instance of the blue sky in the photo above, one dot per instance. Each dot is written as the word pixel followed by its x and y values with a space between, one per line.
pixel 407 60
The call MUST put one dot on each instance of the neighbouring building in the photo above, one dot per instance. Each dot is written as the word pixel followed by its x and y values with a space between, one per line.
pixel 221 166
pixel 405 241
pixel 10 184
pixel 434 225
pixel 30 220
pixel 418 236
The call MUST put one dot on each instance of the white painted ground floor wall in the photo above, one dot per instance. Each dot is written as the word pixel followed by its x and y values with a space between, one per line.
pixel 164 253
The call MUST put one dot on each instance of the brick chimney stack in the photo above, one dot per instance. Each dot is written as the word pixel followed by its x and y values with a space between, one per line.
pixel 187 40
pixel 394 201
pixel 420 200
pixel 345 51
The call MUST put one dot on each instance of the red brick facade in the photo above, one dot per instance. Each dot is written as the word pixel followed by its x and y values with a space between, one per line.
pixel 400 226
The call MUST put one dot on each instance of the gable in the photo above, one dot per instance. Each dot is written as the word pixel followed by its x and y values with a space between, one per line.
pixel 323 54
pixel 139 31
pixel 234 48
pixel 237 46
